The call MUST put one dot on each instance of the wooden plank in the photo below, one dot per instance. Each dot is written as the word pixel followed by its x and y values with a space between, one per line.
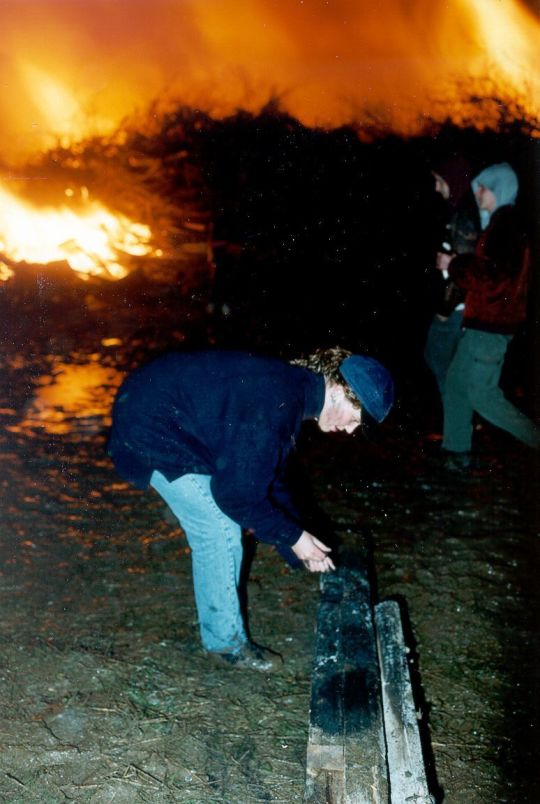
pixel 403 746
pixel 346 753
pixel 325 767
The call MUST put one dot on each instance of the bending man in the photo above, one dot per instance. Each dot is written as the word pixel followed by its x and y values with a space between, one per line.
pixel 212 432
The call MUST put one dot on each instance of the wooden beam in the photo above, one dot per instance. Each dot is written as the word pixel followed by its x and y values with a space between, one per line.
pixel 346 756
pixel 403 747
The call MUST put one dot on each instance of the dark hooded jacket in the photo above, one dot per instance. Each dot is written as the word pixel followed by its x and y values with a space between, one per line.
pixel 461 229
pixel 495 277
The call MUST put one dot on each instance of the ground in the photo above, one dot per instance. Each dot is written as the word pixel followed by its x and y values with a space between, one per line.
pixel 106 695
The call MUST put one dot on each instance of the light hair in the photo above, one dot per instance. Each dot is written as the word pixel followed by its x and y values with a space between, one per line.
pixel 327 362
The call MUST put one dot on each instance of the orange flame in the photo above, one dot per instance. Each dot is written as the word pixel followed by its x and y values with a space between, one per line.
pixel 76 69
pixel 72 70
pixel 92 241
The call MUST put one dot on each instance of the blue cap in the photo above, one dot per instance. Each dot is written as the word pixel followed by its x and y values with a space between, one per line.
pixel 371 383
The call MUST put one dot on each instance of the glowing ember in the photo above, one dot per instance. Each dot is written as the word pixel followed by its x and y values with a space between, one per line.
pixel 92 241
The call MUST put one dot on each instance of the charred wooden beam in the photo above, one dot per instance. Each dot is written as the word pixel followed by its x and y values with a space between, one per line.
pixel 364 744
pixel 346 758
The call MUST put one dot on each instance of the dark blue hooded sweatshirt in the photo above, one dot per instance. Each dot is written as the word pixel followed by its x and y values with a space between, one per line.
pixel 230 415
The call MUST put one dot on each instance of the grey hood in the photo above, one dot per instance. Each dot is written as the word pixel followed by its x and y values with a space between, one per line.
pixel 503 183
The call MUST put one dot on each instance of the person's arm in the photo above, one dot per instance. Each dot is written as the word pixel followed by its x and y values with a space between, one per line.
pixel 247 469
pixel 272 525
pixel 501 253
pixel 466 271
pixel 505 244
pixel 244 486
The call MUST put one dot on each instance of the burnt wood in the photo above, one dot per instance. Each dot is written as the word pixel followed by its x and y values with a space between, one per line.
pixel 346 757
pixel 364 743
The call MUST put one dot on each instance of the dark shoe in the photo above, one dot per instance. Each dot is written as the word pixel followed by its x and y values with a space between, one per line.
pixel 434 455
pixel 250 657
pixel 459 463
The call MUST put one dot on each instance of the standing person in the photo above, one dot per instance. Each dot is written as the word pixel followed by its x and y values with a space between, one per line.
pixel 211 432
pixel 495 282
pixel 452 182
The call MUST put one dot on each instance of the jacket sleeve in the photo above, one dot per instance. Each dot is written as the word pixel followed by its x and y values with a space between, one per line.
pixel 499 255
pixel 466 271
pixel 248 486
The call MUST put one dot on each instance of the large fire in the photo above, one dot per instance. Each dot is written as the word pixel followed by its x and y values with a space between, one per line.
pixel 73 70
pixel 92 241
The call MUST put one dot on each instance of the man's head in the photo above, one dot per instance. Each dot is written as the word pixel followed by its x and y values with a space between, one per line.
pixel 354 383
pixel 371 384
pixel 452 178
pixel 441 185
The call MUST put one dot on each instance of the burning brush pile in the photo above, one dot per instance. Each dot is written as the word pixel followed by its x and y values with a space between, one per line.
pixel 155 188
pixel 258 209
pixel 104 208
pixel 274 190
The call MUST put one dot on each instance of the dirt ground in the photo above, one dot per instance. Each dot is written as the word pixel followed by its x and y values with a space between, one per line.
pixel 106 695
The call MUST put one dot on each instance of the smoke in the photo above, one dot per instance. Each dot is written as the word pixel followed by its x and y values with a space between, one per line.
pixel 72 69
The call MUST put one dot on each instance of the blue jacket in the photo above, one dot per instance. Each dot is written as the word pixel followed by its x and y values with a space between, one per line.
pixel 230 415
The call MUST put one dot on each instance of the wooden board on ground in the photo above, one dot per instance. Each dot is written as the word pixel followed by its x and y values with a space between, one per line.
pixel 403 748
pixel 364 743
pixel 346 758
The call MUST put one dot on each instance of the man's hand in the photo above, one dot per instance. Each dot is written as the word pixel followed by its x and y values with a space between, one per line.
pixel 313 553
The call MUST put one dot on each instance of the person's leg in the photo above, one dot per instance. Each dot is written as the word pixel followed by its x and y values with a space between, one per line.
pixel 487 397
pixel 441 344
pixel 458 410
pixel 216 545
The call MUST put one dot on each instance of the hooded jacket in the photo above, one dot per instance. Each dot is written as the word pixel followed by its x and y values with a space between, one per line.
pixel 495 277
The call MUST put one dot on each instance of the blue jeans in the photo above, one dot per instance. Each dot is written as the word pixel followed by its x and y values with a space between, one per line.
pixel 216 554
pixel 441 344
pixel 472 384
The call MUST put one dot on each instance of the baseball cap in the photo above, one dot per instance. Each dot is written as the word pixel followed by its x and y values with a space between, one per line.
pixel 371 383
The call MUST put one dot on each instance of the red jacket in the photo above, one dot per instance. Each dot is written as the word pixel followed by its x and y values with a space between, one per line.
pixel 495 277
